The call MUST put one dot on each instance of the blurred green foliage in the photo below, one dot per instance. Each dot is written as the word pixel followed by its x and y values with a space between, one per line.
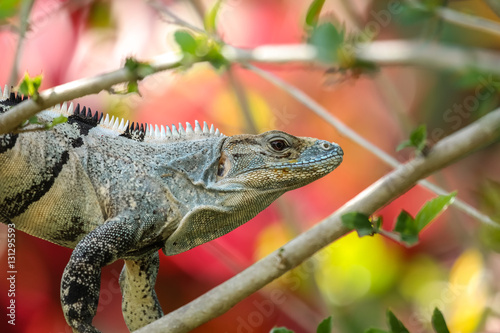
pixel 101 16
pixel 417 140
pixel 8 8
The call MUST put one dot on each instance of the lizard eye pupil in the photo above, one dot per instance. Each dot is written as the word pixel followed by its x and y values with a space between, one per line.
pixel 220 169
pixel 279 145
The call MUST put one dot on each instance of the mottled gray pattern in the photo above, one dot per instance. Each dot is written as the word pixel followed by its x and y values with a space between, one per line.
pixel 111 191
pixel 140 305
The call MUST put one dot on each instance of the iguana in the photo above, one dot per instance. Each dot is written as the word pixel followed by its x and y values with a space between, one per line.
pixel 113 190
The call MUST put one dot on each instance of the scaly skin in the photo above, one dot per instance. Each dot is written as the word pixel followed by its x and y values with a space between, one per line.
pixel 123 192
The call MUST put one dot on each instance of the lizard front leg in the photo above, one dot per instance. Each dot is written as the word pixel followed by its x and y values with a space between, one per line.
pixel 140 305
pixel 81 278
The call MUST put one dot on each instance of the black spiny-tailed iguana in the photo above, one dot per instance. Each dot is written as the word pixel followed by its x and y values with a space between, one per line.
pixel 110 190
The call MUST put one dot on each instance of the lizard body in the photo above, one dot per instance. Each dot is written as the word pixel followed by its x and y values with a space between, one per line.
pixel 111 190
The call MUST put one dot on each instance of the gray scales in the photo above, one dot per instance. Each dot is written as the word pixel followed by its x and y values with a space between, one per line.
pixel 111 190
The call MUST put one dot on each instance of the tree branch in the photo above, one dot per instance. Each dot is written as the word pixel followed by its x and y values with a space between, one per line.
pixel 24 14
pixel 469 21
pixel 71 90
pixel 221 298
pixel 463 19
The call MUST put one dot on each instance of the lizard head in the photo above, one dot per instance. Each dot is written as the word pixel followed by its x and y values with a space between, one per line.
pixel 246 174
pixel 275 160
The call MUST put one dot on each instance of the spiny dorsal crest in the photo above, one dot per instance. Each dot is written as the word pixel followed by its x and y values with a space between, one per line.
pixel 84 118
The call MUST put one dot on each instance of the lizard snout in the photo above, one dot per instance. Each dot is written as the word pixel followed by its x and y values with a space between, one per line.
pixel 331 146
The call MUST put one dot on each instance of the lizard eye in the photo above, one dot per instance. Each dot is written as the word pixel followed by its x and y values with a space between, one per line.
pixel 279 144
pixel 220 168
pixel 223 167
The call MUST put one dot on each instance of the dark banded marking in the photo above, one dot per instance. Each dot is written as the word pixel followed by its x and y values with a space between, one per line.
pixel 19 203
pixel 13 99
pixel 84 119
pixel 74 229
pixel 7 142
pixel 135 132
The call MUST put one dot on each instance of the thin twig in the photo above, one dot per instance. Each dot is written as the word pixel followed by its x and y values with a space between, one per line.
pixel 355 137
pixel 174 19
pixel 382 84
pixel 221 298
pixel 395 52
pixel 469 21
pixel 198 8
pixel 24 15
pixel 242 98
pixel 494 6
pixel 461 19
pixel 382 53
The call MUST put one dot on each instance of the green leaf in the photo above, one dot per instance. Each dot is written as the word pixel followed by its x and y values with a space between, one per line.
pixel 359 222
pixel 280 330
pixel 100 15
pixel 144 70
pixel 133 87
pixel 471 78
pixel 407 228
pixel 365 66
pixel 403 145
pixel 56 121
pixel 325 326
pixel 405 223
pixel 140 68
pixel 210 20
pixel 36 83
pixel 438 322
pixel 59 120
pixel 313 12
pixel 215 57
pixel 131 64
pixel 33 120
pixel 432 209
pixel 418 139
pixel 395 324
pixel 186 41
pixel 328 40
pixel 377 222
pixel 29 85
